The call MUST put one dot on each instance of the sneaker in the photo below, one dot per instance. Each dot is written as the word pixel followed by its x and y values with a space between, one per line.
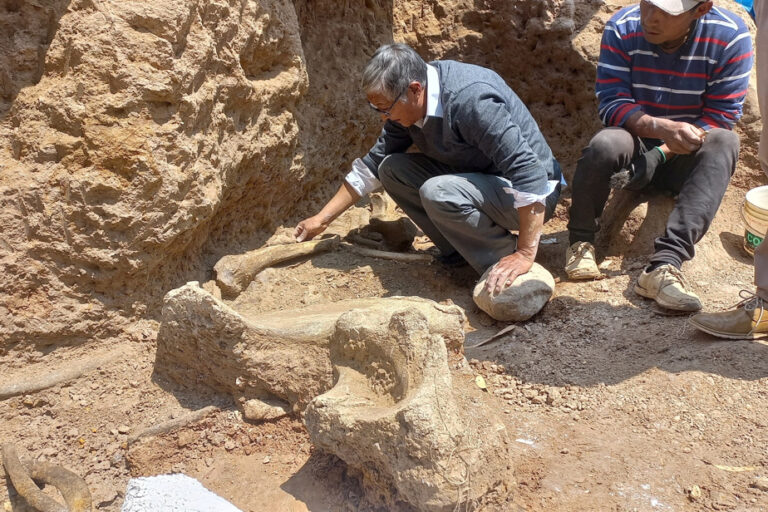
pixel 667 287
pixel 580 262
pixel 747 320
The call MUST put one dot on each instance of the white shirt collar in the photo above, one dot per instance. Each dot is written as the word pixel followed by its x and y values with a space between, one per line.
pixel 434 105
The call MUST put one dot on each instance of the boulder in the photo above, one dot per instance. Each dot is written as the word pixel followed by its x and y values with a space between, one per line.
pixel 520 301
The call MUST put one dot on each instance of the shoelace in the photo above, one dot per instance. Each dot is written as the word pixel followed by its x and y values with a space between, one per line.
pixel 750 302
pixel 582 249
pixel 677 274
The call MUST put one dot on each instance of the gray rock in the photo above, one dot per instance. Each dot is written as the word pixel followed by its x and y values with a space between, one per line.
pixel 520 301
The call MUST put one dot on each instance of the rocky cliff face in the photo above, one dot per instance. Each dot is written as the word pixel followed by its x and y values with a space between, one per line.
pixel 140 141
pixel 138 137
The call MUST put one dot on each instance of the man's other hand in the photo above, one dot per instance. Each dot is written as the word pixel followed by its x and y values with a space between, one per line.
pixel 309 228
pixel 506 271
pixel 684 138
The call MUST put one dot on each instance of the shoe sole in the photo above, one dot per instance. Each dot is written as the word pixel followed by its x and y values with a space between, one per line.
pixel 661 302
pixel 582 274
pixel 728 336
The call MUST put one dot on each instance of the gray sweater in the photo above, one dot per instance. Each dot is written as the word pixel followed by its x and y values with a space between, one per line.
pixel 485 128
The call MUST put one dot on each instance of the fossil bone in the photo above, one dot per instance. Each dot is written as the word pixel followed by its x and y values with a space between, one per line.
pixel 234 272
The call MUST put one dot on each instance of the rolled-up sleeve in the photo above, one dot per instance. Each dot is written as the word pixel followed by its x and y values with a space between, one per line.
pixel 361 179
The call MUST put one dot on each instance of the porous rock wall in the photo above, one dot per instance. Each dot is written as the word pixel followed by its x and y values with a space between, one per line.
pixel 140 141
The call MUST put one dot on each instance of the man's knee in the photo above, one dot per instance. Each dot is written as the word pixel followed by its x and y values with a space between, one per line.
pixel 392 167
pixel 723 146
pixel 722 142
pixel 605 154
pixel 439 192
pixel 611 144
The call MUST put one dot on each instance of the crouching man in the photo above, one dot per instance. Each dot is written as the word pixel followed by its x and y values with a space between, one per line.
pixel 671 79
pixel 483 167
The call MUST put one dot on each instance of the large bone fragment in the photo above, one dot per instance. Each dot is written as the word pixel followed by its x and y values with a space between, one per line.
pixel 234 272
pixel 281 355
pixel 72 487
pixel 396 415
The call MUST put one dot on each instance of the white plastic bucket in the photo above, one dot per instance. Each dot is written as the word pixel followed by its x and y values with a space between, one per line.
pixel 754 213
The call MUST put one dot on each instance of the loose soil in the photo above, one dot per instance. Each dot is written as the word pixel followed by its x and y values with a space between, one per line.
pixel 610 404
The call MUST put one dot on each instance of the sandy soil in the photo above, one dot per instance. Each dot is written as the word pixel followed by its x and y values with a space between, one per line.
pixel 612 405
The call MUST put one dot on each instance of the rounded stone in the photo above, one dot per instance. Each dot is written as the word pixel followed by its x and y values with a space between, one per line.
pixel 520 301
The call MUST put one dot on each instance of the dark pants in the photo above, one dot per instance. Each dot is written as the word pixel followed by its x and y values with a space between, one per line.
pixel 699 180
pixel 466 212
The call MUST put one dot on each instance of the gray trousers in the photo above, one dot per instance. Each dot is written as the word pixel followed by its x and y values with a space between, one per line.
pixel 465 212
pixel 761 45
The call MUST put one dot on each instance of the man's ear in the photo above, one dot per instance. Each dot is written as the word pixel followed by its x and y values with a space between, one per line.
pixel 415 87
pixel 702 9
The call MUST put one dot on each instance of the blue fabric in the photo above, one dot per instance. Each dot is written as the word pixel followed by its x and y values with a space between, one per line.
pixel 748 5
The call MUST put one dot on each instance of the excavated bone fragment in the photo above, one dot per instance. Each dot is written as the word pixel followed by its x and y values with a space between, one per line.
pixel 235 271
pixel 398 418
pixel 264 410
pixel 72 488
pixel 280 355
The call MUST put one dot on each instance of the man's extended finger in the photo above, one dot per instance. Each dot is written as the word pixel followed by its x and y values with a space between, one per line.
pixel 509 277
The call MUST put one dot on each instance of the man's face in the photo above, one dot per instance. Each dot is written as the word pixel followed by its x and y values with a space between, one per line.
pixel 404 113
pixel 660 27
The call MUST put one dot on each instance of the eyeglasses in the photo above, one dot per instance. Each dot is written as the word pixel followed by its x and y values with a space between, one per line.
pixel 388 111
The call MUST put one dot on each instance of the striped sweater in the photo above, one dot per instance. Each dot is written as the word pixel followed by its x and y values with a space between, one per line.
pixel 704 82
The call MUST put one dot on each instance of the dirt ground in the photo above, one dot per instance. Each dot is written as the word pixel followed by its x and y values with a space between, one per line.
pixel 611 405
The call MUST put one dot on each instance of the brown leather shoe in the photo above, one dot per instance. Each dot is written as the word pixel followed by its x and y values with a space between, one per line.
pixel 748 321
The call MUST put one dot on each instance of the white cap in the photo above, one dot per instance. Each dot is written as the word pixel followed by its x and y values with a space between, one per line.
pixel 675 7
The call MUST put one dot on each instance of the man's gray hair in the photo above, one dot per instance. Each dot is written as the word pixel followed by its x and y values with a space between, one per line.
pixel 391 69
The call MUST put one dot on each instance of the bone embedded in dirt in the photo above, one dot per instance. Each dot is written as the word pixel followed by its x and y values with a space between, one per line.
pixel 234 272
pixel 263 410
pixel 282 356
pixel 398 417
pixel 520 301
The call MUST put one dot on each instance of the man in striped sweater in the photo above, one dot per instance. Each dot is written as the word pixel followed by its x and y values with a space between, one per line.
pixel 671 79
